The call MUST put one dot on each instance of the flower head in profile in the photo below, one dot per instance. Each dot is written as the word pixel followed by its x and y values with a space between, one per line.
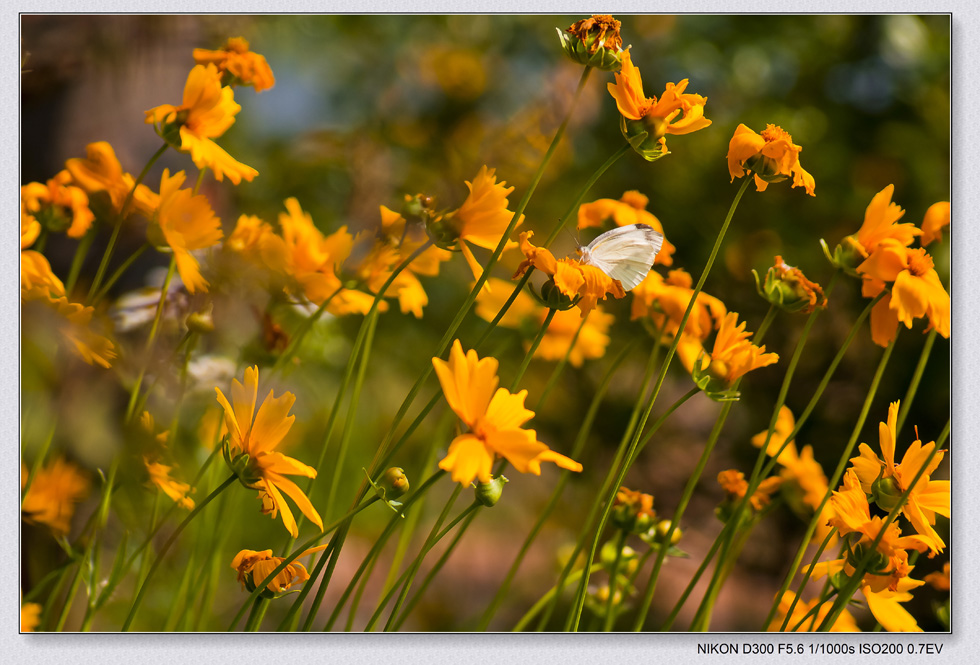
pixel 935 220
pixel 313 262
pixel 481 220
pixel 633 511
pixel 251 449
pixel 187 223
pixel 594 41
pixel 61 205
pixel 253 567
pixel 732 356
pixel 630 209
pixel 663 302
pixel 887 480
pixel 735 485
pixel 100 171
pixel 207 111
pixel 51 498
pixel 787 287
pixel 575 283
pixel 494 417
pixel 257 242
pixel 646 120
pixel 916 291
pixel 770 156
pixel 37 280
pixel 567 334
pixel 238 65
pixel 940 579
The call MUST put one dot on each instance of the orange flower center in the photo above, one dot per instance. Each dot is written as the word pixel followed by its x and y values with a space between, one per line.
pixel 920 262
pixel 775 133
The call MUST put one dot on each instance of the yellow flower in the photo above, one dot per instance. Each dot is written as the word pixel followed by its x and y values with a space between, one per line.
pixel 257 242
pixel 56 201
pixel 481 220
pixel 939 580
pixel 187 223
pixel 573 279
pixel 771 156
pixel 37 280
pixel 733 355
pixel 525 314
pixel 72 320
pixel 176 490
pixel 887 480
pixel 101 171
pixel 676 112
pixel 253 443
pixel 916 291
pixel 494 417
pixel 238 64
pixel 30 228
pixel 253 567
pixel 804 481
pixel 628 210
pixel 30 617
pixel 207 111
pixel 664 301
pixel 734 483
pixel 52 496
pixel 314 262
pixel 881 223
pixel 845 622
pixel 936 218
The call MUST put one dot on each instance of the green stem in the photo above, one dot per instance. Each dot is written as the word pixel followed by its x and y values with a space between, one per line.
pixel 838 473
pixel 534 347
pixel 166 547
pixel 81 252
pixel 610 618
pixel 916 378
pixel 123 267
pixel 38 463
pixel 93 289
pixel 304 327
pixel 551 596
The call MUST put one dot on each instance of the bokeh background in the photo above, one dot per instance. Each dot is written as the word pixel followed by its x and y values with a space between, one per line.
pixel 367 109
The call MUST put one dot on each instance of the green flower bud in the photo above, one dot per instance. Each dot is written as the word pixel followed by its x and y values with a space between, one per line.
pixel 788 288
pixel 395 482
pixel 847 256
pixel 488 494
pixel 662 528
pixel 644 136
pixel 885 492
pixel 552 297
pixel 593 42
pixel 201 322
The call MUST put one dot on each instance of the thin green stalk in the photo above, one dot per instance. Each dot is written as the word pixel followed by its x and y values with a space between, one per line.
pixel 534 347
pixel 806 578
pixel 379 544
pixel 93 289
pixel 38 463
pixel 123 267
pixel 610 618
pixel 560 367
pixel 166 547
pixel 872 550
pixel 577 446
pixel 301 331
pixel 550 597
pixel 916 378
pixel 254 622
pixel 835 478
pixel 134 392
pixel 81 252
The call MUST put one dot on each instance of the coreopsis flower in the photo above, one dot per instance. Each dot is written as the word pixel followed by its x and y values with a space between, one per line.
pixel 939 580
pixel 935 220
pixel 633 511
pixel 187 223
pixel 30 228
pixel 207 111
pixel 804 481
pixel 37 280
pixel 880 223
pixel 735 485
pixel 916 291
pixel 770 156
pixel 526 316
pixel 61 205
pixel 889 562
pixel 787 287
pixel 253 567
pixel 664 301
pixel 628 210
pixel 160 477
pixel 392 244
pixel 732 356
pixel 582 285
pixel 594 42
pixel 100 171
pixel 314 260
pixel 251 449
pixel 886 481
pixel 238 65
pixel 494 417
pixel 646 120
pixel 51 498
pixel 884 605
pixel 481 220
pixel 257 242
pixel 844 623
pixel 30 617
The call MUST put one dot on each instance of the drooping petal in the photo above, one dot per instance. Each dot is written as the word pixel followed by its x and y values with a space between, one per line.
pixel 468 458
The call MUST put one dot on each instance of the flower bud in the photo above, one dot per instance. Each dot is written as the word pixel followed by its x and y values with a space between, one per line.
pixel 443 231
pixel 788 288
pixel 633 511
pixel 663 526
pixel 488 494
pixel 552 297
pixel 201 322
pixel 594 42
pixel 395 482
pixel 645 136
pixel 847 256
pixel 886 493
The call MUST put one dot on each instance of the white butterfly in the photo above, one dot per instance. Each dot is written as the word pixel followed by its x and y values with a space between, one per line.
pixel 625 253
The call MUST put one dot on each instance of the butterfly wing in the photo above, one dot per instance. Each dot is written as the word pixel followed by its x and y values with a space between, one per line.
pixel 625 253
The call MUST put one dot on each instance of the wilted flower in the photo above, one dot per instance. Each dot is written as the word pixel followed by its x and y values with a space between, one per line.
pixel 594 42
pixel 253 567
pixel 771 157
